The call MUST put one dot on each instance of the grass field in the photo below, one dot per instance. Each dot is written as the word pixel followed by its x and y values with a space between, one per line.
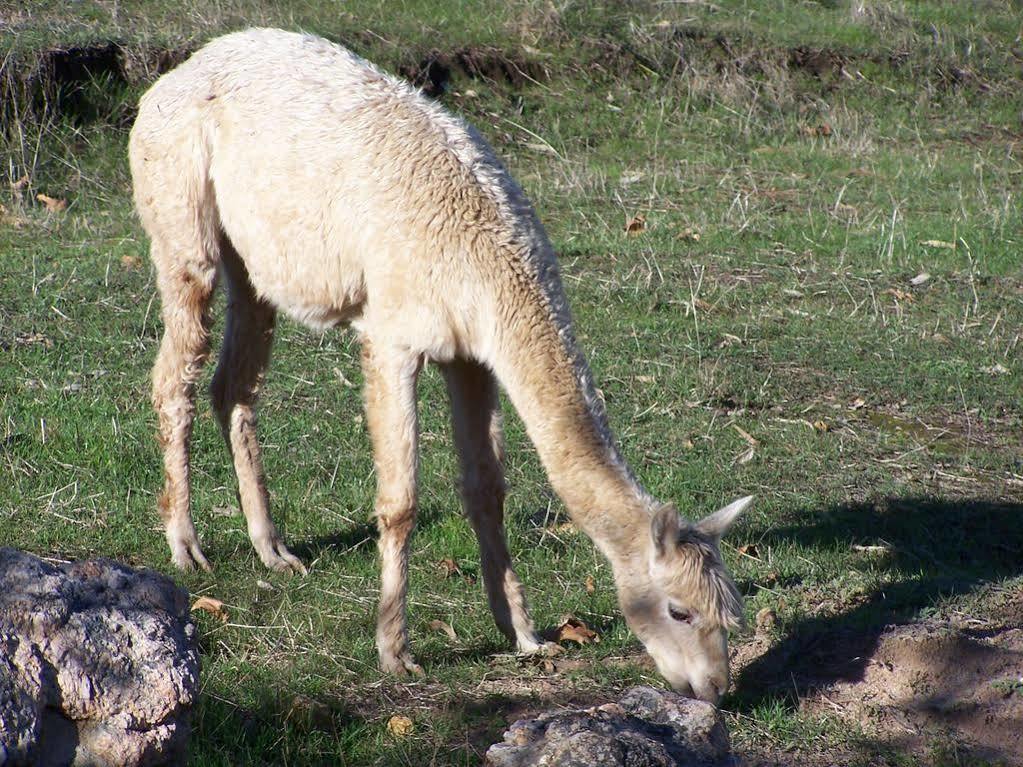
pixel 822 306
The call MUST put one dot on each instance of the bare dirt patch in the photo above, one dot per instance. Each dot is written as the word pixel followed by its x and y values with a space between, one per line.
pixel 71 81
pixel 917 688
pixel 928 681
pixel 434 71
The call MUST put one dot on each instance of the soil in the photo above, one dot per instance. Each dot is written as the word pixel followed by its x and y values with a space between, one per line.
pixel 433 72
pixel 951 685
pixel 926 682
pixel 54 78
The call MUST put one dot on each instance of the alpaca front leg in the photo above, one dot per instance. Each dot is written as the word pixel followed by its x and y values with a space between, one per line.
pixel 476 420
pixel 390 390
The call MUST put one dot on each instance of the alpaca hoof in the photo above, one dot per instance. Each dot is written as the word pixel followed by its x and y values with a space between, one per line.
pixel 401 665
pixel 188 556
pixel 275 556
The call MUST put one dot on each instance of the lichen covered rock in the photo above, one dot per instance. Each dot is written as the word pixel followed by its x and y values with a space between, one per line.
pixel 645 728
pixel 98 664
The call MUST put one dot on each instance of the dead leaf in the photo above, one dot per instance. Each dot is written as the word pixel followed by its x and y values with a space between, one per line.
pixel 636 224
pixel 857 404
pixel 821 427
pixel 27 339
pixel 131 262
pixel 213 606
pixel 689 234
pixel 53 204
pixel 920 279
pixel 646 379
pixel 746 457
pixel 9 218
pixel 574 630
pixel 746 436
pixel 749 550
pixel 845 210
pixel 566 528
pixel 21 183
pixel 938 244
pixel 591 585
pixel 444 628
pixel 449 567
pixel 900 295
pixel 998 369
pixel 874 549
pixel 542 146
pixel 767 619
pixel 400 726
pixel 821 129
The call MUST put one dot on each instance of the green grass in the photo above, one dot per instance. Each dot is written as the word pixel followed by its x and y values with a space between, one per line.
pixel 883 413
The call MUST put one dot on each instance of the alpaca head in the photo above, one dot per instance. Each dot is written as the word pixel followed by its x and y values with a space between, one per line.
pixel 684 612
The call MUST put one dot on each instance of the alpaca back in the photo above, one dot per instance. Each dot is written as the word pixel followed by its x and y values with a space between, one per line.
pixel 348 195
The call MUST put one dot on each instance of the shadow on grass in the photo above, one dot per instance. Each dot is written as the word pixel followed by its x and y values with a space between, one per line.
pixel 362 535
pixel 284 727
pixel 936 548
pixel 269 730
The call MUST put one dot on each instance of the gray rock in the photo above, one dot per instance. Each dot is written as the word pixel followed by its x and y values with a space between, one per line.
pixel 645 728
pixel 98 664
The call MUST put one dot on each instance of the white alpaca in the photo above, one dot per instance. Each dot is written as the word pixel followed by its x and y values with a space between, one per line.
pixel 317 185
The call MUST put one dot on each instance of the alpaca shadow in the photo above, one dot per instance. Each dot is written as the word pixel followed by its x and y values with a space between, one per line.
pixel 362 535
pixel 336 545
pixel 950 547
pixel 254 733
pixel 452 657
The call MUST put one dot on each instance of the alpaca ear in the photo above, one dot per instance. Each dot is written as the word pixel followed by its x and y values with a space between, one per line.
pixel 665 527
pixel 717 524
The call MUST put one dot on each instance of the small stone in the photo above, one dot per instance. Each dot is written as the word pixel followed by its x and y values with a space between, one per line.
pixel 767 620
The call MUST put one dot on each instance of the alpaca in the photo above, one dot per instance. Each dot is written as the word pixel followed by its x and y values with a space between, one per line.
pixel 313 183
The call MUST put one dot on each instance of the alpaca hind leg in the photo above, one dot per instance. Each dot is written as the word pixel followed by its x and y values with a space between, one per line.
pixel 186 279
pixel 476 417
pixel 390 390
pixel 244 357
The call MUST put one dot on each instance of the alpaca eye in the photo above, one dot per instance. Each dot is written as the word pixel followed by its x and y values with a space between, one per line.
pixel 682 616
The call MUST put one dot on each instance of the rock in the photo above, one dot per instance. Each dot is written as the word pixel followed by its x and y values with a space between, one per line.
pixel 98 664
pixel 645 728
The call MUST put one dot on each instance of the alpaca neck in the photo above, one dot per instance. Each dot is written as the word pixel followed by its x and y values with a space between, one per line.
pixel 549 385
